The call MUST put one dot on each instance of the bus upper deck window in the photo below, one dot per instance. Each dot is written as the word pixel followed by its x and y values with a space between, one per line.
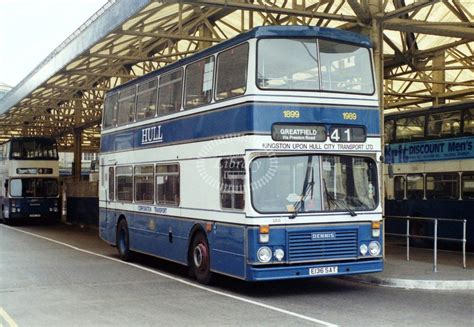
pixel 468 122
pixel 389 129
pixel 232 72
pixel 288 64
pixel 110 111
pixel 345 68
pixel 170 90
pixel 198 84
pixel 444 124
pixel 146 99
pixel 126 106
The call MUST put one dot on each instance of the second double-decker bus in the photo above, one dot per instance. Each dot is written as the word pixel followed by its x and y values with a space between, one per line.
pixel 430 169
pixel 257 158
pixel 29 173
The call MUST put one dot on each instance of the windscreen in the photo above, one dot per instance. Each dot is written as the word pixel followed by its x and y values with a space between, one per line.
pixel 313 184
pixel 34 187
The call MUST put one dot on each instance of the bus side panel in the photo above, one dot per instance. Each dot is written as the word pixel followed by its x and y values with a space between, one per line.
pixel 227 245
pixel 160 236
pixel 107 225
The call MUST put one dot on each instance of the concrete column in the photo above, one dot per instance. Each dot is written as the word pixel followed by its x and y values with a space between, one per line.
pixel 77 154
pixel 439 75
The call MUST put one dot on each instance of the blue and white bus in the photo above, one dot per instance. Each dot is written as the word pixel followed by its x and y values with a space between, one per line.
pixel 430 168
pixel 257 158
pixel 29 174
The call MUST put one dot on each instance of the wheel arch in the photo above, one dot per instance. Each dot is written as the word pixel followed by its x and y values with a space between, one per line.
pixel 197 228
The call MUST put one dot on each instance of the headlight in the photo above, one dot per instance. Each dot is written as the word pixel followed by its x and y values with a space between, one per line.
pixel 363 249
pixel 264 254
pixel 55 209
pixel 13 209
pixel 374 248
pixel 279 254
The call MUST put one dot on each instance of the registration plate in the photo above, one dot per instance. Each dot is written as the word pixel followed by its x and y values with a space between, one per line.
pixel 323 270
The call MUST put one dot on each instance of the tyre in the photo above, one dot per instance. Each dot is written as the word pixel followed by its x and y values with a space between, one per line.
pixel 123 241
pixel 200 259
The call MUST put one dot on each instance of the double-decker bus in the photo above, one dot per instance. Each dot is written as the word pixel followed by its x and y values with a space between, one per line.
pixel 430 168
pixel 29 172
pixel 257 158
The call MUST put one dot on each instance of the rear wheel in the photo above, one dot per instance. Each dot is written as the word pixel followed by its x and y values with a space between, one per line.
pixel 200 260
pixel 123 241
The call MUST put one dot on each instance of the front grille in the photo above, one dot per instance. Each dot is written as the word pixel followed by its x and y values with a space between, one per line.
pixel 302 247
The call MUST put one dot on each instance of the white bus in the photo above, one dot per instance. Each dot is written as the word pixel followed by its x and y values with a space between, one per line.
pixel 257 158
pixel 29 173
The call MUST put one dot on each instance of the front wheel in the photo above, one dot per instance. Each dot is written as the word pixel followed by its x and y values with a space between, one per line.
pixel 200 260
pixel 122 241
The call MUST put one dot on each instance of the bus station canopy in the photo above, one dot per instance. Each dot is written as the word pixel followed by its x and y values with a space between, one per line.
pixel 428 51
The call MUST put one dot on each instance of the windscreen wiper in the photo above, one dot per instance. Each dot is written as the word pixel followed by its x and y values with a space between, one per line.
pixel 331 199
pixel 307 186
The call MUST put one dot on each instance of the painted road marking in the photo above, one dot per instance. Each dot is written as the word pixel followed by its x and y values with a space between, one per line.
pixel 182 281
pixel 6 317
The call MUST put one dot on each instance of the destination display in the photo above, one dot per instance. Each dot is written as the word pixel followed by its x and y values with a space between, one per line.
pixel 34 171
pixel 305 133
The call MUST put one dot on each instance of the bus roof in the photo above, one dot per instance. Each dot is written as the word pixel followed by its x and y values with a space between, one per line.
pixel 433 109
pixel 258 33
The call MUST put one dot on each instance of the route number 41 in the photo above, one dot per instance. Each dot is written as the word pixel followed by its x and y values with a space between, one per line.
pixel 338 133
pixel 347 134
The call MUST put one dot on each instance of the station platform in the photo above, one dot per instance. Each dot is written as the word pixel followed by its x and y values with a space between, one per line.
pixel 418 272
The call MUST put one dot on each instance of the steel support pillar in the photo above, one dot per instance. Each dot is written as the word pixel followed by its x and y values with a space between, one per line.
pixel 376 36
pixel 439 77
pixel 77 166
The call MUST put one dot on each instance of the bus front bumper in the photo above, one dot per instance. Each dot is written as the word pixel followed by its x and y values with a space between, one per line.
pixel 327 269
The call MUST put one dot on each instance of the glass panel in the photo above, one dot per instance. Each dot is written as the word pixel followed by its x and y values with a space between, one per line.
pixel 389 130
pixel 468 186
pixel 444 124
pixel 345 68
pixel 415 186
pixel 469 122
pixel 34 187
pixel 349 182
pixel 286 184
pixel 399 187
pixel 232 183
pixel 167 184
pixel 232 68
pixel 144 189
pixel 442 186
pixel 160 169
pixel 33 148
pixel 16 187
pixel 144 186
pixel 146 100
pixel 288 64
pixel 410 129
pixel 111 184
pixel 199 77
pixel 170 92
pixel 110 111
pixel 125 183
pixel 126 106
